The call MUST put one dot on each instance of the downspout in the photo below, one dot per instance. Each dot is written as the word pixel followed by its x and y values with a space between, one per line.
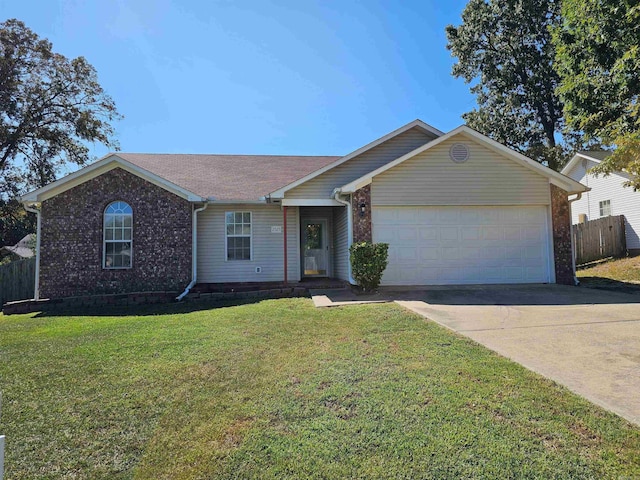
pixel 336 196
pixel 194 251
pixel 284 221
pixel 576 282
pixel 36 287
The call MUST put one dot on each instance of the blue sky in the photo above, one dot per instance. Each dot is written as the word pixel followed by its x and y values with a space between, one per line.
pixel 285 77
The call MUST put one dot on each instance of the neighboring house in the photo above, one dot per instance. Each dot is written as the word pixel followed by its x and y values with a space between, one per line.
pixel 455 208
pixel 606 197
pixel 21 250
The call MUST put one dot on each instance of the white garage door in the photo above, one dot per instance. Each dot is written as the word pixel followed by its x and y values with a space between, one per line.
pixel 463 245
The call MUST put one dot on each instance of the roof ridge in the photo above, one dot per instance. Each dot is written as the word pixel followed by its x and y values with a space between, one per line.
pixel 228 155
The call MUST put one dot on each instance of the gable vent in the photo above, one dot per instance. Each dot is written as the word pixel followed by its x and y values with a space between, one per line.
pixel 459 153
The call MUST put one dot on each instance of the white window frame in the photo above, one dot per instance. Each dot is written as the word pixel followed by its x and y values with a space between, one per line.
pixel 605 203
pixel 104 237
pixel 227 236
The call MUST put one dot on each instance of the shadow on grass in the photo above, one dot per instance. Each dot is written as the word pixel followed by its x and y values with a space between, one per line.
pixel 603 283
pixel 145 310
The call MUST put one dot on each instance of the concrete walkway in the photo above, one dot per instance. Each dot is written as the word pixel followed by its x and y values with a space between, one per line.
pixel 585 339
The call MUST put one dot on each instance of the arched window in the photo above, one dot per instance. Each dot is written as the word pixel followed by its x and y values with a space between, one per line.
pixel 118 235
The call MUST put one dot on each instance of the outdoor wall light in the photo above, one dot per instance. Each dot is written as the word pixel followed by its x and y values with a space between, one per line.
pixel 363 209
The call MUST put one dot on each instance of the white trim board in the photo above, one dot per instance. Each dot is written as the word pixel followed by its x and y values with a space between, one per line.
pixel 314 202
pixel 564 182
pixel 96 169
pixel 280 193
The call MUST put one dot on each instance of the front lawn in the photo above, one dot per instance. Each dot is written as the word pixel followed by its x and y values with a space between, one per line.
pixel 279 389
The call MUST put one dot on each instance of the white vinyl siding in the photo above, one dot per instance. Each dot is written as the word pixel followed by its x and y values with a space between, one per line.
pixel 464 245
pixel 624 201
pixel 323 185
pixel 486 178
pixel 340 248
pixel 267 247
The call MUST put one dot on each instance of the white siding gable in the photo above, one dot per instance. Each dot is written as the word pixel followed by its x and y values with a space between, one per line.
pixel 624 201
pixel 486 178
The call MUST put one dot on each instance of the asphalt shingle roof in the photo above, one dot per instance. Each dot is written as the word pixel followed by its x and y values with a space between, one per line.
pixel 228 177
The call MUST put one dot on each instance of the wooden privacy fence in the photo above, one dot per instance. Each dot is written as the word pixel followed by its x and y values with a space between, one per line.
pixel 17 280
pixel 598 239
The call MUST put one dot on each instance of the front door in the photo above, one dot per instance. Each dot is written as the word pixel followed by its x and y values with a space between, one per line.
pixel 315 248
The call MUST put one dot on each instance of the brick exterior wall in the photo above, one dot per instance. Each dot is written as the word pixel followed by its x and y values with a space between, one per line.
pixel 561 218
pixel 361 225
pixel 71 248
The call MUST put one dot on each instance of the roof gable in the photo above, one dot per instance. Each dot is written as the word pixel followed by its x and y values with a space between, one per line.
pixel 595 156
pixel 280 193
pixel 96 169
pixel 568 184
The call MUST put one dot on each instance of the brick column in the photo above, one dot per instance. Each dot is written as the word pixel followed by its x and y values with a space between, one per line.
pixel 361 224
pixel 561 219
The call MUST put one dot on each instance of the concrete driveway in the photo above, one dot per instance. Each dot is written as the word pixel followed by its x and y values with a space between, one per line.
pixel 585 339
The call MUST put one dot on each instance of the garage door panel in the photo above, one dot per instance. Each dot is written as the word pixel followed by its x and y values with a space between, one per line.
pixel 512 233
pixel 408 233
pixel 449 234
pixel 452 245
pixel 469 234
pixel 385 234
pixel 407 254
pixel 429 253
pixel 492 233
pixel 535 252
pixel 428 233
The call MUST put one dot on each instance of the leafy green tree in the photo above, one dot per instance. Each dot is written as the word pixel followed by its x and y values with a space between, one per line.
pixel 504 47
pixel 598 60
pixel 15 222
pixel 50 108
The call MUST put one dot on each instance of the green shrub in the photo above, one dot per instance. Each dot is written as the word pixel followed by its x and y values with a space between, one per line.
pixel 368 261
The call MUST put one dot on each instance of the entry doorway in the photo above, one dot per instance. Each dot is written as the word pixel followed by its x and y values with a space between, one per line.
pixel 315 247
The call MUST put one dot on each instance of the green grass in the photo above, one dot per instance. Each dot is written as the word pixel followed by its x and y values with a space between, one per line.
pixel 622 270
pixel 279 389
pixel 621 275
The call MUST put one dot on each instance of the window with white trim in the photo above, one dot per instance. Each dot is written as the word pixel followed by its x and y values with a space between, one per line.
pixel 238 235
pixel 605 208
pixel 118 236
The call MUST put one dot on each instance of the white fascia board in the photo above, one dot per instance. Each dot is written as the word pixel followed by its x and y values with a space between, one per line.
pixel 96 169
pixel 280 193
pixel 239 202
pixel 313 202
pixel 562 181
